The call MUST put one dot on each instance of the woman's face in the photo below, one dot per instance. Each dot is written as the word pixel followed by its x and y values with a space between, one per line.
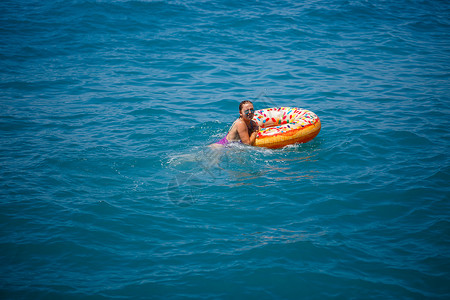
pixel 247 111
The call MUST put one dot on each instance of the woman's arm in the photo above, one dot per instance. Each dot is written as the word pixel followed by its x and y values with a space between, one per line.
pixel 253 138
pixel 243 133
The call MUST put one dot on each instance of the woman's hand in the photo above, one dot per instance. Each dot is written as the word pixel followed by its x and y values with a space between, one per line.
pixel 255 127
pixel 254 133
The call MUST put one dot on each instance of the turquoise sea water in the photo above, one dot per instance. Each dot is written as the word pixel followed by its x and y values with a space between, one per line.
pixel 108 189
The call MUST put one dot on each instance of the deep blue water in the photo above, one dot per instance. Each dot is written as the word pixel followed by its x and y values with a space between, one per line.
pixel 108 188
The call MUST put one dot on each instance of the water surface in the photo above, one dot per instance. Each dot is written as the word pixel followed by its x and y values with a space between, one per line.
pixel 108 188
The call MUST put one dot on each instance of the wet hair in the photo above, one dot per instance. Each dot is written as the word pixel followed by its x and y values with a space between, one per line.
pixel 242 104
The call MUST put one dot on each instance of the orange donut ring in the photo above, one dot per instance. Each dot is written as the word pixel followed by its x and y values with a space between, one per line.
pixel 282 126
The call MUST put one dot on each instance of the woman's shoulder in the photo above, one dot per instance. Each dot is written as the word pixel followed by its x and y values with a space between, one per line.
pixel 233 126
pixel 240 123
pixel 237 122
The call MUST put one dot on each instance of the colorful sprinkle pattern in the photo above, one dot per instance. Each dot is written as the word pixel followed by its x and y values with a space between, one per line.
pixel 282 123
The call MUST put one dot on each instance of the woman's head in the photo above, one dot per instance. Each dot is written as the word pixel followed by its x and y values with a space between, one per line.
pixel 246 109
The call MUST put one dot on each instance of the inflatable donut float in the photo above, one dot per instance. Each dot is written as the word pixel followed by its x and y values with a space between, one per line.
pixel 284 126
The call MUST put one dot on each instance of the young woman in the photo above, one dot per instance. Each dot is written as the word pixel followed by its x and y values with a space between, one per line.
pixel 244 129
